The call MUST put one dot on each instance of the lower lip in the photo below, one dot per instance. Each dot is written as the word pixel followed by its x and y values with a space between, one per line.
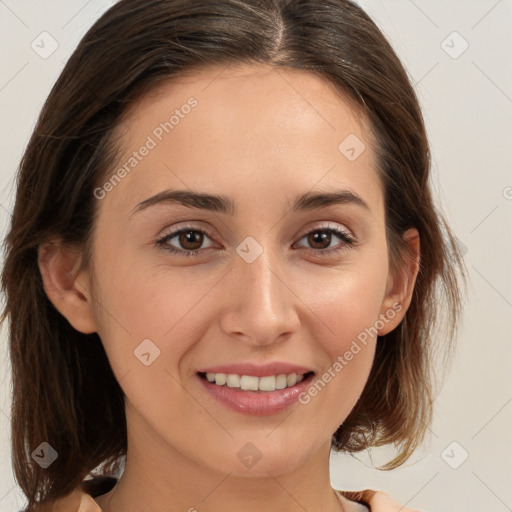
pixel 256 403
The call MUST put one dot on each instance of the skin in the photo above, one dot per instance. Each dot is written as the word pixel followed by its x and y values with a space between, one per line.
pixel 261 136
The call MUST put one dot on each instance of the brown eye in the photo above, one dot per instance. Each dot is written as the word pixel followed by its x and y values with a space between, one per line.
pixel 190 240
pixel 320 241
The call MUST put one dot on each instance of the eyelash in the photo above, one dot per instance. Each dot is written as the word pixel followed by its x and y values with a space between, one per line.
pixel 349 241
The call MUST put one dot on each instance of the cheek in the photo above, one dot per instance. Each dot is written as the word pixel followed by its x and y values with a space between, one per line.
pixel 350 350
pixel 149 316
pixel 348 303
pixel 350 311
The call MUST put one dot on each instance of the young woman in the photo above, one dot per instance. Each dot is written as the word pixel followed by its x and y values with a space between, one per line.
pixel 224 261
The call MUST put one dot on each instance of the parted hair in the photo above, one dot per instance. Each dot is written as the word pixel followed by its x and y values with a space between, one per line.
pixel 64 390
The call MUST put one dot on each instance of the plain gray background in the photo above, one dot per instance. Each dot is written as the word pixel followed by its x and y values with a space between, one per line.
pixel 466 95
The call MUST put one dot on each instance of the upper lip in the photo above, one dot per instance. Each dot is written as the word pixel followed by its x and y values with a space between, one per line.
pixel 265 370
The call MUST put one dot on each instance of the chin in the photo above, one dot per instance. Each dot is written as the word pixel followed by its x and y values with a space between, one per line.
pixel 261 457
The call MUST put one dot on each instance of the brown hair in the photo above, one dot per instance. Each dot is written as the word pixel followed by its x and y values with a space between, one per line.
pixel 64 391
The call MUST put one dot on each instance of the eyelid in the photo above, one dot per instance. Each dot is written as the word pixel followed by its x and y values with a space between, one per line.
pixel 349 241
pixel 326 226
pixel 187 226
pixel 175 230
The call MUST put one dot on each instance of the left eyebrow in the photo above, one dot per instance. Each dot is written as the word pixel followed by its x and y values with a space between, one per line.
pixel 222 204
pixel 312 200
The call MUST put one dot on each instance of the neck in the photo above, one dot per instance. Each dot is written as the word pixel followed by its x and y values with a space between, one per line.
pixel 158 477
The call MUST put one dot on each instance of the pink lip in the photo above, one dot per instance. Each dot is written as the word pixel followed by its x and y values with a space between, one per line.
pixel 275 368
pixel 256 403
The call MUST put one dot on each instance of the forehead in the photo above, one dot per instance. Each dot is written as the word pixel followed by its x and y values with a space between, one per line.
pixel 250 86
pixel 249 125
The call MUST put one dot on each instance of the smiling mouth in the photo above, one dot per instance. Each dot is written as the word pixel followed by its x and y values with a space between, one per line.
pixel 256 384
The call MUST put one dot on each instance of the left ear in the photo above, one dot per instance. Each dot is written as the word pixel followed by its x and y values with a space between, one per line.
pixel 400 285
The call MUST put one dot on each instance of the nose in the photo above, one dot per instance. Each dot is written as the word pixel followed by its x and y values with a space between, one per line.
pixel 261 306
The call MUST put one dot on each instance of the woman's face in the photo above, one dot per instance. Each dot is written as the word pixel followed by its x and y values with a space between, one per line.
pixel 258 278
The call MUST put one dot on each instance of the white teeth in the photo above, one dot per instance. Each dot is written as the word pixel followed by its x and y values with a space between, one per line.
pixel 291 380
pixel 252 383
pixel 220 379
pixel 267 383
pixel 249 383
pixel 281 381
pixel 233 381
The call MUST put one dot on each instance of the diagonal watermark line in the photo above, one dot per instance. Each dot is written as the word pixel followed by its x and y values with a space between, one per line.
pixel 76 14
pixel 492 211
pixel 432 432
pixel 428 483
pixel 492 419
pixel 492 81
pixel 429 428
pixel 200 405
pixel 503 297
pixel 14 76
pixel 198 301
pixel 13 13
pixel 174 174
pixel 2 411
pixel 5 209
pixel 424 14
pixel 301 300
pixel 485 15
pixel 508 508
pixel 8 492
pixel 276 71
pixel 186 186
pixel 278 425
pixel 107 312
pixel 121 378
pixel 214 78
pixel 217 486
pixel 308 192
pixel 13 192
pixel 286 490
pixel 318 446
pixel 424 76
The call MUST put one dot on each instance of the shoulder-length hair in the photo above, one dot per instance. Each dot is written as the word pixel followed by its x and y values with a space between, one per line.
pixel 64 391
